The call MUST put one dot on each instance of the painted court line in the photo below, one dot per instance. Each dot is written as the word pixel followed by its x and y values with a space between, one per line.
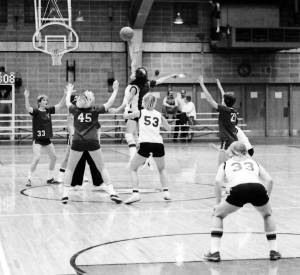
pixel 126 212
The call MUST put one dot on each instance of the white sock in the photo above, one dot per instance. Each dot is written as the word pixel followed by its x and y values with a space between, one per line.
pixel 29 175
pixel 273 245
pixel 50 174
pixel 215 244
pixel 61 175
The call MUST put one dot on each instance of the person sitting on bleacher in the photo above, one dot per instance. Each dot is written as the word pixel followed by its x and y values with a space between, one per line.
pixel 169 105
pixel 189 109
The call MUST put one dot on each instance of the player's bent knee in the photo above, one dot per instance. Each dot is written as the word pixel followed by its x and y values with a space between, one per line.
pixel 130 139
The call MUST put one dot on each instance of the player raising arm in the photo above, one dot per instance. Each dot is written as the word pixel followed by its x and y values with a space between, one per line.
pixel 42 133
pixel 227 119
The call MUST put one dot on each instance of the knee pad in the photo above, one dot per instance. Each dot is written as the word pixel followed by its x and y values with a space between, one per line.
pixel 130 139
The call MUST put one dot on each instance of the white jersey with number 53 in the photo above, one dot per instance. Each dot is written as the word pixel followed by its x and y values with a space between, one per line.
pixel 241 171
pixel 149 126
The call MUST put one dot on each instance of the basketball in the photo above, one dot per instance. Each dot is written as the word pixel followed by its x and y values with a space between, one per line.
pixel 126 33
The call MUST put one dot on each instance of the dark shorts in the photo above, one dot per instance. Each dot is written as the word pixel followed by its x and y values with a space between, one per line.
pixel 157 149
pixel 254 193
pixel 225 144
pixel 43 142
pixel 135 119
pixel 87 145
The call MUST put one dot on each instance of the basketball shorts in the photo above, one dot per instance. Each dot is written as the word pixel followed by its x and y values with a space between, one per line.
pixel 87 145
pixel 135 119
pixel 254 193
pixel 225 144
pixel 157 149
pixel 43 142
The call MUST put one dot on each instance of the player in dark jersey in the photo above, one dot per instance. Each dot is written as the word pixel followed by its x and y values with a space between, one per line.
pixel 42 132
pixel 227 119
pixel 78 175
pixel 132 102
pixel 240 133
pixel 85 137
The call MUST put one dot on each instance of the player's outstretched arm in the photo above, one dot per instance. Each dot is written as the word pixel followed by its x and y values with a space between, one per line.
pixel 266 178
pixel 29 109
pixel 165 78
pixel 62 102
pixel 221 90
pixel 208 96
pixel 165 124
pixel 113 96
pixel 69 89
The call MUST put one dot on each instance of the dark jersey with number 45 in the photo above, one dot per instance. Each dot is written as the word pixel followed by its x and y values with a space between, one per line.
pixel 227 122
pixel 42 124
pixel 86 127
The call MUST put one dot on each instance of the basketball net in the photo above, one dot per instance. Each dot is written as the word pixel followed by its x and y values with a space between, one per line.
pixel 56 57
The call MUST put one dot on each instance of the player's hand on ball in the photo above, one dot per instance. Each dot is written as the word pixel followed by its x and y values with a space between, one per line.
pixel 115 85
pixel 26 93
pixel 126 116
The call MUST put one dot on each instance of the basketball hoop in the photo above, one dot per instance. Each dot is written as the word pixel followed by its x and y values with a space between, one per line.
pixel 50 15
pixel 56 57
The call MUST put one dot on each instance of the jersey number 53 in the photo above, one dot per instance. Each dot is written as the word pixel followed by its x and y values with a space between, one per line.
pixel 151 120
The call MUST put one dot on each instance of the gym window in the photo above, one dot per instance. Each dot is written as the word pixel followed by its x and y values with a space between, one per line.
pixel 3 11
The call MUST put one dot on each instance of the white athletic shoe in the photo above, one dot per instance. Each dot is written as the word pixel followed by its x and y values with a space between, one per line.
pixel 167 195
pixel 109 189
pixel 135 197
pixel 59 180
pixel 98 188
pixel 85 179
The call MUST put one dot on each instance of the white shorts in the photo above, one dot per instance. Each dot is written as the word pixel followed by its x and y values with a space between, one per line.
pixel 243 138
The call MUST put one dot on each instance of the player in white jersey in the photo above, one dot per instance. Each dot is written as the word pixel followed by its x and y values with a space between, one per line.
pixel 151 143
pixel 132 102
pixel 245 181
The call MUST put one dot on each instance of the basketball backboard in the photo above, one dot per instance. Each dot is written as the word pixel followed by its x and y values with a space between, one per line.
pixel 54 34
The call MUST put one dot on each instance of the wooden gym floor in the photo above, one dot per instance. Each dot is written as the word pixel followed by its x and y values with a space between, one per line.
pixel 40 236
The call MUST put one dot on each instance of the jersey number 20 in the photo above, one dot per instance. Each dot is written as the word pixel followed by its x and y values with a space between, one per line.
pixel 148 121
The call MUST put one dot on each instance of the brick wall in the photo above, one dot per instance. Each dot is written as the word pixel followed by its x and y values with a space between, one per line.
pixel 159 26
pixel 265 68
pixel 41 77
pixel 96 27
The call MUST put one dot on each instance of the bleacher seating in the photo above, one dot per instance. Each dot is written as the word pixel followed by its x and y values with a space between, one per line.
pixel 112 127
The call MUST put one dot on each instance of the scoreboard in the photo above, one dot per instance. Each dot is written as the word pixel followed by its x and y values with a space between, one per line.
pixel 7 104
pixel 7 78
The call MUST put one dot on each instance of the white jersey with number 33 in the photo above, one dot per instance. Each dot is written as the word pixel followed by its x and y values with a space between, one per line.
pixel 149 126
pixel 241 171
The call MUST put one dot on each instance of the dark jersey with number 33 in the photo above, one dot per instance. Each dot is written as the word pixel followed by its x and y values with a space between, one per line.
pixel 86 127
pixel 42 124
pixel 227 122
